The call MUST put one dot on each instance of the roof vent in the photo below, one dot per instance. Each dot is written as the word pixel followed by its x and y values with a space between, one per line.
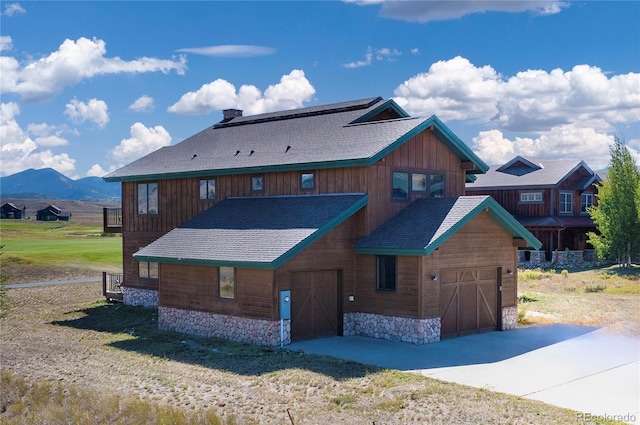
pixel 229 114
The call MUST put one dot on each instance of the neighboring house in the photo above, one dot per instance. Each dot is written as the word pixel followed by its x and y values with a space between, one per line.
pixel 51 213
pixel 549 198
pixel 344 219
pixel 9 210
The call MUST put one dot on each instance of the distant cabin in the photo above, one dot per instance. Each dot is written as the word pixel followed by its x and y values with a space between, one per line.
pixel 9 210
pixel 51 213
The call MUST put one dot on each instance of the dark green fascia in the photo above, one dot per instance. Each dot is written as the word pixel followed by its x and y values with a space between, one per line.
pixel 392 251
pixel 509 223
pixel 453 142
pixel 459 148
pixel 499 214
pixel 246 170
pixel 272 265
pixel 211 263
pixel 445 135
pixel 495 211
pixel 330 225
pixel 388 104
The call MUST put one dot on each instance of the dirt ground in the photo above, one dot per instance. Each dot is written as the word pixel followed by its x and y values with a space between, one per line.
pixel 68 334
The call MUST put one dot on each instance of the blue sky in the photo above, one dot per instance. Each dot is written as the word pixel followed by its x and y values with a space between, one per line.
pixel 90 86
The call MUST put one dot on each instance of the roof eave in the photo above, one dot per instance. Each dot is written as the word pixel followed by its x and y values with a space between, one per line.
pixel 491 206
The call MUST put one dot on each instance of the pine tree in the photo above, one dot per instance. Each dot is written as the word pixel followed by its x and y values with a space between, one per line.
pixel 617 213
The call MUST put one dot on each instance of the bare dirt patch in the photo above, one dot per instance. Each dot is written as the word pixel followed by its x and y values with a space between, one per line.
pixel 67 334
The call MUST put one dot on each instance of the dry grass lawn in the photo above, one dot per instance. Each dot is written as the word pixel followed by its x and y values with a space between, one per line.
pixel 68 338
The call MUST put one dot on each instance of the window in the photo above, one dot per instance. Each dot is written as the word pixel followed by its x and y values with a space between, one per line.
pixel 148 270
pixel 436 185
pixel 307 181
pixel 148 198
pixel 530 197
pixel 418 182
pixel 586 200
pixel 207 190
pixel 226 283
pixel 421 183
pixel 257 183
pixel 386 273
pixel 566 203
pixel 400 186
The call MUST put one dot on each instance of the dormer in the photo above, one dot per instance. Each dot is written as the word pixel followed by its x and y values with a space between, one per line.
pixel 519 166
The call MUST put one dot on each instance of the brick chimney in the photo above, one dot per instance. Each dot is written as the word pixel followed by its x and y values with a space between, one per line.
pixel 229 114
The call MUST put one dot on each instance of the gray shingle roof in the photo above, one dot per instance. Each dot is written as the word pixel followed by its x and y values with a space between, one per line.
pixel 317 137
pixel 528 172
pixel 428 222
pixel 261 232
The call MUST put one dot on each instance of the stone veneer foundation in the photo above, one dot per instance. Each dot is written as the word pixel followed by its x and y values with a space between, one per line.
pixel 509 318
pixel 393 328
pixel 240 329
pixel 140 297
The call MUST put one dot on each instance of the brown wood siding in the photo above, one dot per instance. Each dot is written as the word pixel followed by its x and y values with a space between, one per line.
pixel 404 301
pixel 334 251
pixel 196 288
pixel 481 243
pixel 424 153
pixel 510 201
pixel 130 245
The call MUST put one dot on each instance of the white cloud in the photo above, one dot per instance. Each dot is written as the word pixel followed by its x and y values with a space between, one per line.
pixel 143 141
pixel 95 111
pixel 13 9
pixel 231 50
pixel 291 92
pixel 557 114
pixel 96 170
pixel 381 54
pixel 142 104
pixel 453 89
pixel 588 141
pixel 532 100
pixel 415 51
pixel 73 62
pixel 6 43
pixel 20 152
pixel 428 11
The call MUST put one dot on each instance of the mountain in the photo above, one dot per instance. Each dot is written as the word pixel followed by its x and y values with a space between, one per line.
pixel 47 183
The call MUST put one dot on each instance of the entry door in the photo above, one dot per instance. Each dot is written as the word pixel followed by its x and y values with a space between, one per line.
pixel 468 301
pixel 314 304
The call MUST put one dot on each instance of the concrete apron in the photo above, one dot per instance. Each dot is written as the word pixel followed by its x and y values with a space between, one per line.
pixel 594 371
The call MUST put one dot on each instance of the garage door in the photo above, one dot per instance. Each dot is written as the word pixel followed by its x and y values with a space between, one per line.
pixel 468 301
pixel 314 304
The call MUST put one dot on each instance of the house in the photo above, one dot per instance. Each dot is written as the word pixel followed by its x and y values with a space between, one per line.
pixel 343 219
pixel 9 210
pixel 51 213
pixel 548 197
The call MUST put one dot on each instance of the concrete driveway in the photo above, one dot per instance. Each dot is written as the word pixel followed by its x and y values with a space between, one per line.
pixel 594 371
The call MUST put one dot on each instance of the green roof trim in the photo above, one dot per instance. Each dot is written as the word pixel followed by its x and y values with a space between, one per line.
pixel 446 136
pixel 388 104
pixel 268 265
pixel 441 131
pixel 499 214
pixel 210 263
pixel 493 209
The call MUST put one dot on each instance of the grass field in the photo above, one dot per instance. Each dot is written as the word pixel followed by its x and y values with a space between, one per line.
pixel 109 363
pixel 70 357
pixel 30 246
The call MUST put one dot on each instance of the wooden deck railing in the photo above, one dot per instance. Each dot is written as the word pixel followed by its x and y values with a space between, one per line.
pixel 112 220
pixel 112 286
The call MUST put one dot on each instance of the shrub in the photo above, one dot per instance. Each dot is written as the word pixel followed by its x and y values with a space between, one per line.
pixel 527 298
pixel 565 273
pixel 595 288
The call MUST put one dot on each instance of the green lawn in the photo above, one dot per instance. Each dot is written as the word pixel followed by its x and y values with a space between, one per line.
pixel 57 243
